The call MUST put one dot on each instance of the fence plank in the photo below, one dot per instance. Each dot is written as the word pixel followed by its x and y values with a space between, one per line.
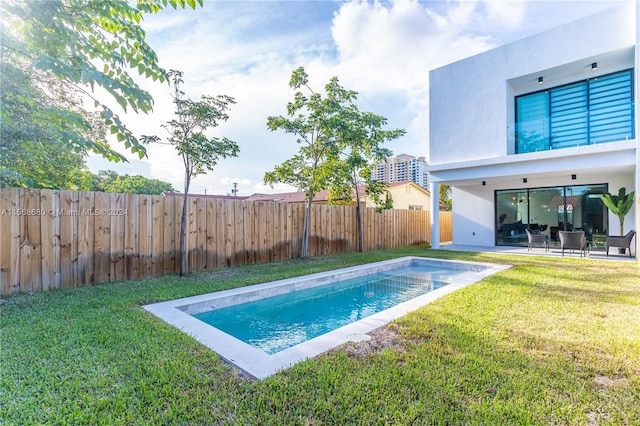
pixel 201 234
pixel 30 243
pixel 250 232
pixel 177 214
pixel 158 232
pixel 229 235
pixel 168 262
pixel 86 238
pixel 102 238
pixel 5 241
pixel 10 234
pixel 131 216
pixel 145 235
pixel 221 260
pixel 239 213
pixel 211 234
pixel 192 234
pixel 117 236
pixel 66 215
pixel 50 232
pixel 283 243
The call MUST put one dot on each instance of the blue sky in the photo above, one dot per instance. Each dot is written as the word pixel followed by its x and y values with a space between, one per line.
pixel 383 50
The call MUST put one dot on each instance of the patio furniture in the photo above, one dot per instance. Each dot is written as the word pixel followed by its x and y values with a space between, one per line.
pixel 535 238
pixel 588 234
pixel 573 240
pixel 620 242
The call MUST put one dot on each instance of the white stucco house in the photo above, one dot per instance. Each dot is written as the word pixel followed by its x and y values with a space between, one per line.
pixel 531 133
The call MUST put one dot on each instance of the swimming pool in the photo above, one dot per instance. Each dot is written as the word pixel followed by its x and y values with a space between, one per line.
pixel 265 328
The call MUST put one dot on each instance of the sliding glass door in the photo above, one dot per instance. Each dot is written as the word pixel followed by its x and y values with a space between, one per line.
pixel 549 210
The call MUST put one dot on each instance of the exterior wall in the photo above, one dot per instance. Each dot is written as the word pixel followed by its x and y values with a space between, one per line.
pixel 409 195
pixel 472 100
pixel 476 229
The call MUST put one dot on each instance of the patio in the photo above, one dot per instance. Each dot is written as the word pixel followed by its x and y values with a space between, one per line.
pixel 554 251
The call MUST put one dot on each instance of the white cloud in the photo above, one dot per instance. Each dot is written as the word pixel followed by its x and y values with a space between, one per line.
pixel 383 50
pixel 506 13
pixel 386 52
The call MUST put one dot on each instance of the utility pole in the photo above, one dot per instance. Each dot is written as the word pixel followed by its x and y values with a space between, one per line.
pixel 234 191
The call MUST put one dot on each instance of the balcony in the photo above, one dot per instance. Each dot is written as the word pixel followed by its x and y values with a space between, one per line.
pixel 576 127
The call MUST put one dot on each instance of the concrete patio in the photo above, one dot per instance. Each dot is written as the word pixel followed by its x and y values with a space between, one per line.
pixel 594 254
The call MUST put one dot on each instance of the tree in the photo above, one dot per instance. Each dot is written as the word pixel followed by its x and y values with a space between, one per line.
pixel 199 152
pixel 35 147
pixel 110 181
pixel 386 204
pixel 87 45
pixel 359 139
pixel 314 121
pixel 444 195
pixel 619 204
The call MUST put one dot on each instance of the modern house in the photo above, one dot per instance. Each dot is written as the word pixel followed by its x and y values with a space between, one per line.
pixel 530 134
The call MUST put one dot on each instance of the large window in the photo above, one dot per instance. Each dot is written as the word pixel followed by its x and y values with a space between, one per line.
pixel 549 210
pixel 597 110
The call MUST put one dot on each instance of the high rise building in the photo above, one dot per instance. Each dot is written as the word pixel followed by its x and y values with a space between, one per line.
pixel 402 168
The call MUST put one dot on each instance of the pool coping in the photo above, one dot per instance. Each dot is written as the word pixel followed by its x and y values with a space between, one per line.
pixel 259 364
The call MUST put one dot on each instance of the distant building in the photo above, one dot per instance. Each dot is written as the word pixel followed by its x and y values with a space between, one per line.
pixel 402 168
pixel 322 197
pixel 406 195
pixel 210 196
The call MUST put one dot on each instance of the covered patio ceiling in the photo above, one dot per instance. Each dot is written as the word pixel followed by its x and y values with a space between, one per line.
pixel 588 164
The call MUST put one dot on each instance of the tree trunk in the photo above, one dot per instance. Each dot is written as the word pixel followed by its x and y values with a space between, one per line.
pixel 305 231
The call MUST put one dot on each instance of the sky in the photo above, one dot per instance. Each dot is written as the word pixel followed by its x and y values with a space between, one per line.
pixel 382 49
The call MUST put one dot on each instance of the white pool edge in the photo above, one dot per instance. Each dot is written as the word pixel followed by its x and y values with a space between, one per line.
pixel 260 364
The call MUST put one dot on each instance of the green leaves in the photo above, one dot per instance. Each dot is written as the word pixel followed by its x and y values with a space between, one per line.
pixel 619 204
pixel 137 185
pixel 199 152
pixel 45 136
pixel 90 43
pixel 337 142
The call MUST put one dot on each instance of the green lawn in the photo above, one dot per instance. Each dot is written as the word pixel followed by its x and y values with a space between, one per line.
pixel 549 341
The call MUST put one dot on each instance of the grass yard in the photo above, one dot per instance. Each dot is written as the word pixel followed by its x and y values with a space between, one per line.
pixel 549 341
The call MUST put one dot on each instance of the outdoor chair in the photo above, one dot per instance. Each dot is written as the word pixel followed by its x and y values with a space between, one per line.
pixel 573 240
pixel 621 242
pixel 588 234
pixel 535 238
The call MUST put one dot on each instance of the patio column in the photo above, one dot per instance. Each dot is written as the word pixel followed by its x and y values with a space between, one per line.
pixel 434 214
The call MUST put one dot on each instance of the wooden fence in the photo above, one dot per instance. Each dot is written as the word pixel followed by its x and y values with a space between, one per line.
pixel 59 239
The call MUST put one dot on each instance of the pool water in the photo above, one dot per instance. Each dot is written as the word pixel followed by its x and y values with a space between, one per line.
pixel 280 322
